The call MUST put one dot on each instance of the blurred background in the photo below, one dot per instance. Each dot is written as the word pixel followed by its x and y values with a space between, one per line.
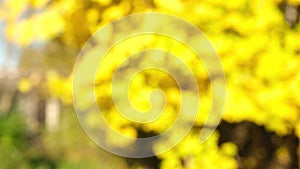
pixel 258 42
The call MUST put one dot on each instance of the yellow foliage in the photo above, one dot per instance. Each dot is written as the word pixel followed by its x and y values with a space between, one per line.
pixel 259 52
pixel 39 3
pixel 60 87
pixel 192 155
pixel 13 8
pixel 294 2
pixel 24 85
pixel 169 5
pixel 103 2
pixel 115 11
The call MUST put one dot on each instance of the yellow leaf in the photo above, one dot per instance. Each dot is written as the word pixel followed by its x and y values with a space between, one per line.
pixel 24 85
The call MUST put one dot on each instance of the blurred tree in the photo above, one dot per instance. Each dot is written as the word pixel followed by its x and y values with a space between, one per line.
pixel 258 42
